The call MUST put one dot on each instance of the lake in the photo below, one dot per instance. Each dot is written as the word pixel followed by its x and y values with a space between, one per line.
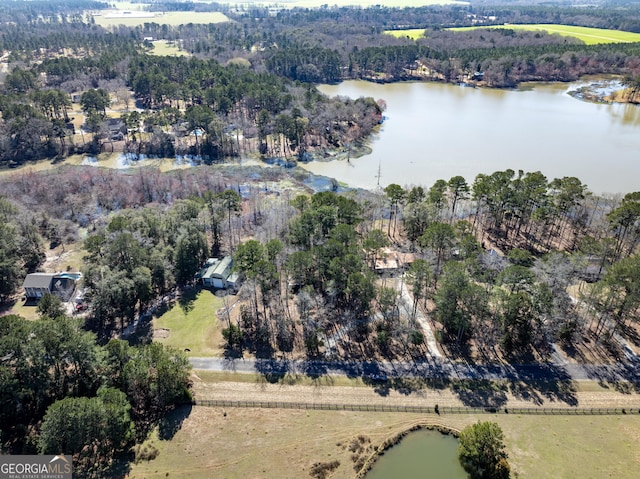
pixel 435 131
pixel 421 454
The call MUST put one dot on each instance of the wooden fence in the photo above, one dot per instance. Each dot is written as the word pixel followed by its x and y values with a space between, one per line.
pixel 542 411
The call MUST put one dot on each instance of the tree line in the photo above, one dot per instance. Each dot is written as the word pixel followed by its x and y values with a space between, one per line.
pixel 61 391
pixel 316 45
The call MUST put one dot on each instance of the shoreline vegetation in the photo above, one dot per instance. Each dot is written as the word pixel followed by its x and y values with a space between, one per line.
pixel 599 90
pixel 397 438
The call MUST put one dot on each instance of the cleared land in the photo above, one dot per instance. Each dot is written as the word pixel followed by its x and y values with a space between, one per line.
pixel 191 324
pixel 369 3
pixel 267 443
pixel 164 48
pixel 413 34
pixel 590 36
pixel 168 18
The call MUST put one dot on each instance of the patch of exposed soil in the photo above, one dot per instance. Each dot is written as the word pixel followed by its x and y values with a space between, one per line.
pixel 161 333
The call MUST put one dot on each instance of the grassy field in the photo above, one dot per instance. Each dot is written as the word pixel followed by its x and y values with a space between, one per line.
pixel 270 443
pixel 413 34
pixel 164 48
pixel 69 258
pixel 286 380
pixel 590 36
pixel 366 3
pixel 192 324
pixel 168 18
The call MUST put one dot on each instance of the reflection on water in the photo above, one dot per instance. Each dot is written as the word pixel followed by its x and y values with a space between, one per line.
pixel 436 131
pixel 626 114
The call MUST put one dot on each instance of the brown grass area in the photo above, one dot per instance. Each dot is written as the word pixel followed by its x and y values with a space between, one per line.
pixel 270 443
pixel 286 443
pixel 65 258
pixel 276 443
pixel 626 95
pixel 334 390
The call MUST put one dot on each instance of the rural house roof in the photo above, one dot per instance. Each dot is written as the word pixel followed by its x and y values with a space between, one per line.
pixel 216 268
pixel 222 267
pixel 38 280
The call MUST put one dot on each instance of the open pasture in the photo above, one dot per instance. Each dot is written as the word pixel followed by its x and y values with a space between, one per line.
pixel 590 36
pixel 166 49
pixel 168 18
pixel 283 443
pixel 413 33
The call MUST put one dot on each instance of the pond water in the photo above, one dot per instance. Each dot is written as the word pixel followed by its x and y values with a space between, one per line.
pixel 435 131
pixel 421 454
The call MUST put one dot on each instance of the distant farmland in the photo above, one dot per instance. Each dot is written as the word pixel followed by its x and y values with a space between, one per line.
pixel 110 18
pixel 351 3
pixel 414 34
pixel 164 48
pixel 590 36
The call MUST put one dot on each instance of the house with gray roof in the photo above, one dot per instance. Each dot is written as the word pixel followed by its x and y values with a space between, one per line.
pixel 216 272
pixel 36 285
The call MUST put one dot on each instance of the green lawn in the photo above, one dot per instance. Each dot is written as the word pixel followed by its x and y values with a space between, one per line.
pixel 22 309
pixel 168 18
pixel 590 36
pixel 287 379
pixel 192 324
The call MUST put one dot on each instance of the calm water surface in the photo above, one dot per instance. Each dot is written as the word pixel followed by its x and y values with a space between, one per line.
pixel 421 454
pixel 436 131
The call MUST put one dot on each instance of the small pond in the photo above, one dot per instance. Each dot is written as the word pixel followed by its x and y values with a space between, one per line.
pixel 421 454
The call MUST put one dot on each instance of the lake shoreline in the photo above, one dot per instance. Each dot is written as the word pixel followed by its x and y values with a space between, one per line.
pixel 434 130
pixel 589 93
